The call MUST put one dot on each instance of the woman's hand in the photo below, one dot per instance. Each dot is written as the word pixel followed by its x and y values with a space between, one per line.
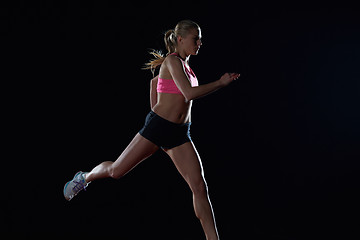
pixel 227 78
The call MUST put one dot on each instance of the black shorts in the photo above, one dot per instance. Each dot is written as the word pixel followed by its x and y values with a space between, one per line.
pixel 164 133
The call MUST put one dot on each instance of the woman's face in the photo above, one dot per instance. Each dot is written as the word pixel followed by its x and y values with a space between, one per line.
pixel 191 42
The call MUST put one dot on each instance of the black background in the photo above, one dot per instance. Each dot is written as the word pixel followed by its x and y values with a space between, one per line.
pixel 280 146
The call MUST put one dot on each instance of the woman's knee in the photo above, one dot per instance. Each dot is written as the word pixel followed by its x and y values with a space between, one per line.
pixel 199 187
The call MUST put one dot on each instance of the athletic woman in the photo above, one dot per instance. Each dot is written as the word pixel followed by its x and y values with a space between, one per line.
pixel 167 126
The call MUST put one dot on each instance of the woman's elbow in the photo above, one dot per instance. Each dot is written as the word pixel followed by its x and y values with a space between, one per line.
pixel 155 79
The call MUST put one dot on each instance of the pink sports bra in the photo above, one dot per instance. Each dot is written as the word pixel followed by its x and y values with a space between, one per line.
pixel 169 86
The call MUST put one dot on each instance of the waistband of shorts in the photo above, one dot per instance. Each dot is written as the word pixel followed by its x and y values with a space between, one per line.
pixel 175 124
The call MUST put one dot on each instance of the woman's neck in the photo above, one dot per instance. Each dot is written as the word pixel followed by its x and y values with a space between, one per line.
pixel 183 56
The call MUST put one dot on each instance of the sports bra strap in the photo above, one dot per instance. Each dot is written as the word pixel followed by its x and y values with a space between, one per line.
pixel 188 70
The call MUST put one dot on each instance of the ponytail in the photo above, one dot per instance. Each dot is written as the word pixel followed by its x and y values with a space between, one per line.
pixel 170 44
pixel 155 62
pixel 170 40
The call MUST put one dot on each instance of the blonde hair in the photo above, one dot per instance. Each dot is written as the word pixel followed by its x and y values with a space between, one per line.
pixel 170 38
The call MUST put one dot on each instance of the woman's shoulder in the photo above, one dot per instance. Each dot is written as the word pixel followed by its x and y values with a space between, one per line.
pixel 172 60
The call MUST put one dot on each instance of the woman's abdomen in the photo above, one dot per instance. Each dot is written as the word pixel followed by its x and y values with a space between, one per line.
pixel 173 108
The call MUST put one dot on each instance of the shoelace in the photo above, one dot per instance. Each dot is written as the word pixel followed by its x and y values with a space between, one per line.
pixel 79 186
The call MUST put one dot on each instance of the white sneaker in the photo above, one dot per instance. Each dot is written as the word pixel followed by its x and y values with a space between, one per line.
pixel 73 187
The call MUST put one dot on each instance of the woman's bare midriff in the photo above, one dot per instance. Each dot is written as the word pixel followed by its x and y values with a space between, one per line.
pixel 173 108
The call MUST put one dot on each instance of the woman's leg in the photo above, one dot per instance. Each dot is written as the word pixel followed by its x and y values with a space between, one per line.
pixel 138 150
pixel 188 163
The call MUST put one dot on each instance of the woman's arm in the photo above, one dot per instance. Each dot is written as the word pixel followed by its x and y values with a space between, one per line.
pixel 153 92
pixel 182 82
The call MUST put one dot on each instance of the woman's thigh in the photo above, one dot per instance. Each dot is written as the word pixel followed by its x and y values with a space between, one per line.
pixel 188 163
pixel 138 150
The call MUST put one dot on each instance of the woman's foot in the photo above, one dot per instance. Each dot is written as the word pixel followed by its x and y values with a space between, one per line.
pixel 73 187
